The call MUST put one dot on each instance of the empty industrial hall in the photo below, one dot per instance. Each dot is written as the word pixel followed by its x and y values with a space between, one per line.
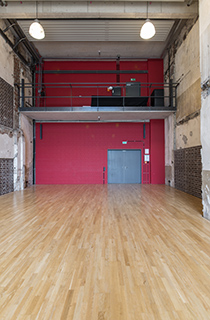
pixel 104 160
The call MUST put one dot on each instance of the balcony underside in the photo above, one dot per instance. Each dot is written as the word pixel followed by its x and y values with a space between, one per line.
pixel 97 113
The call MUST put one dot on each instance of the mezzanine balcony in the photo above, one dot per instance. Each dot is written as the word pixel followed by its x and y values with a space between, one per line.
pixel 131 101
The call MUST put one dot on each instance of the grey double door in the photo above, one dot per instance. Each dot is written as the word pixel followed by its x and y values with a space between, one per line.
pixel 124 166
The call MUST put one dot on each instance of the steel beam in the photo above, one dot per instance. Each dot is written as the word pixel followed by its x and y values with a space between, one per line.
pixel 99 10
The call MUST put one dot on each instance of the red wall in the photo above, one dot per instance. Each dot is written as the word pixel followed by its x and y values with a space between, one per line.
pixel 157 139
pixel 69 78
pixel 154 69
pixel 77 153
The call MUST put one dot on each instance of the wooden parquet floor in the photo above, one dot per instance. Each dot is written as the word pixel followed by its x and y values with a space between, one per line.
pixel 103 252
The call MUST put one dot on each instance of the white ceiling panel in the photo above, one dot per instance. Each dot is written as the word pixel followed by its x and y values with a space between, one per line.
pixel 97 30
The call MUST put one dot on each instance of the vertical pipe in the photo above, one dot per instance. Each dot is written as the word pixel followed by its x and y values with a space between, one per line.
pixel 34 89
pixel 70 92
pixel 144 130
pixel 41 131
pixel 34 152
pixel 118 74
pixel 118 69
pixel 175 98
pixel 149 98
pixel 104 169
pixel 22 93
pixel 171 92
pixel 18 89
pixel 97 99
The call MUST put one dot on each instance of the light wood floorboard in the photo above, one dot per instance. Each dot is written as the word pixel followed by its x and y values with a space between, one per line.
pixel 103 252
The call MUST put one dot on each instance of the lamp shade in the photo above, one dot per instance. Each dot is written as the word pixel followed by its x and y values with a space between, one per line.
pixel 36 30
pixel 147 30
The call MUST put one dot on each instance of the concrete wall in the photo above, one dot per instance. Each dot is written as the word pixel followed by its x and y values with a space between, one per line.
pixel 182 65
pixel 205 105
pixel 187 70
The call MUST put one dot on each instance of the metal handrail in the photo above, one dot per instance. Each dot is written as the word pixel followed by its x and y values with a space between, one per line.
pixel 77 94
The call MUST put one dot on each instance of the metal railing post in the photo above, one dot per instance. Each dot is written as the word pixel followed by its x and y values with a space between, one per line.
pixel 171 93
pixel 97 99
pixel 123 97
pixel 71 92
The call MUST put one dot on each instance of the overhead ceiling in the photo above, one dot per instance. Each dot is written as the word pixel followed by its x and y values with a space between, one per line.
pixel 97 30
pixel 86 38
pixel 104 29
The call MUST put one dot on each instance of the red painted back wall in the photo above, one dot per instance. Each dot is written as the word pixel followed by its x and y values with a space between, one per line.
pixel 77 153
pixel 153 68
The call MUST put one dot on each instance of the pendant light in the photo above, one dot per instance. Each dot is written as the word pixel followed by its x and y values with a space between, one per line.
pixel 148 29
pixel 36 30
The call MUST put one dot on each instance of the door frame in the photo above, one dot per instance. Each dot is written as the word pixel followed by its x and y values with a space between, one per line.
pixel 126 151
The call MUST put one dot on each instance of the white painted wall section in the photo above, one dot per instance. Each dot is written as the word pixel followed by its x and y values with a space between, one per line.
pixel 205 104
pixel 6 146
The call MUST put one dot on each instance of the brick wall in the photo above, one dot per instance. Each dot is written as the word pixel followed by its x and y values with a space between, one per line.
pixel 6 104
pixel 187 169
pixel 6 120
pixel 17 67
pixel 6 176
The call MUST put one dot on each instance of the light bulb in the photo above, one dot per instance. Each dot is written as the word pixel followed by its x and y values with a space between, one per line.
pixel 36 30
pixel 147 30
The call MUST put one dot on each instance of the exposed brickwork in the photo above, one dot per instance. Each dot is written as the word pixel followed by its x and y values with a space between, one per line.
pixel 6 104
pixel 187 168
pixel 6 176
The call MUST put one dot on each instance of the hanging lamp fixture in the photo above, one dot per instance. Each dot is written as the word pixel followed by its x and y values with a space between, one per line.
pixel 148 29
pixel 36 30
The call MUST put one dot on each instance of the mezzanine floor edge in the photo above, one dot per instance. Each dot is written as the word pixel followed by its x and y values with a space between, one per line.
pixel 103 252
pixel 99 114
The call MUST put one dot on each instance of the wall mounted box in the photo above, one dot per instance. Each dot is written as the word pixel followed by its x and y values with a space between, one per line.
pixel 157 98
pixel 133 89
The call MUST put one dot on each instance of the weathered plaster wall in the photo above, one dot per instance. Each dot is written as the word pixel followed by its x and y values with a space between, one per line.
pixel 187 71
pixel 25 124
pixel 15 140
pixel 205 106
pixel 188 133
pixel 6 117
pixel 6 143
pixel 182 65
pixel 7 59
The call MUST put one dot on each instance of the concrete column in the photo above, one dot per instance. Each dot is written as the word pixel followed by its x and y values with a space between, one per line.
pixel 169 148
pixel 204 6
pixel 19 160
